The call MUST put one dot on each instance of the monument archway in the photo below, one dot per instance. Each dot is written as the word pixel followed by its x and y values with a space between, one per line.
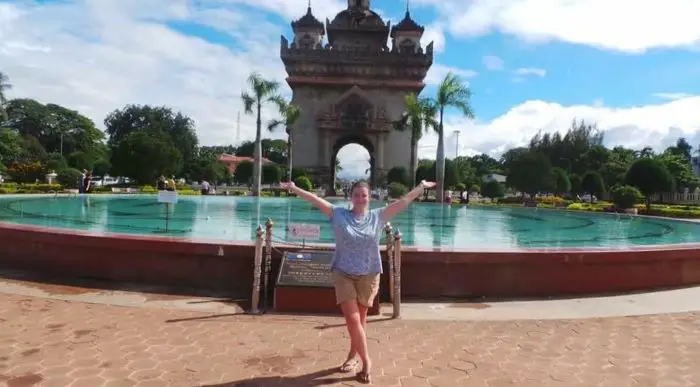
pixel 350 87
pixel 357 139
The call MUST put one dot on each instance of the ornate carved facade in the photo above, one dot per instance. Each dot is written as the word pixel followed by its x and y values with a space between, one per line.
pixel 352 87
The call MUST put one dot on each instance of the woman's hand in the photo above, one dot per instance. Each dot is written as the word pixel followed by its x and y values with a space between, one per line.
pixel 288 185
pixel 427 184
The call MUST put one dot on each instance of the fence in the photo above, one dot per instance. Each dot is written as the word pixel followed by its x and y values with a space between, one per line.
pixel 262 266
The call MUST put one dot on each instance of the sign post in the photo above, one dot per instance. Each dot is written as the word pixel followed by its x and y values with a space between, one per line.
pixel 304 231
pixel 167 198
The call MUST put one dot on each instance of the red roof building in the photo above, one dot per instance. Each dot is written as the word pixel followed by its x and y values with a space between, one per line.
pixel 232 161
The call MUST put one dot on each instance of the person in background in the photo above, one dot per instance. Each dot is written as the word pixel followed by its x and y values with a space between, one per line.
pixel 81 181
pixel 160 184
pixel 206 187
pixel 170 184
pixel 87 182
pixel 357 262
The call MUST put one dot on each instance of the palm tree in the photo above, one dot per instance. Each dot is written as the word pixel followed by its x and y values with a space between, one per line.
pixel 4 86
pixel 418 117
pixel 452 92
pixel 262 91
pixel 290 114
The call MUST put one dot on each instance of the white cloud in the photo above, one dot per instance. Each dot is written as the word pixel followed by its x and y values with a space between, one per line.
pixel 672 96
pixel 492 63
pixel 525 71
pixel 624 25
pixel 437 72
pixel 434 33
pixel 99 56
pixel 657 126
pixel 354 160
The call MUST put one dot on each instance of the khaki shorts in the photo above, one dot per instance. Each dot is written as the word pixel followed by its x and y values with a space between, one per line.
pixel 363 288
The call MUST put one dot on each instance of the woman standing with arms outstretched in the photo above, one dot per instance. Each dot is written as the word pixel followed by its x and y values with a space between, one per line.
pixel 357 262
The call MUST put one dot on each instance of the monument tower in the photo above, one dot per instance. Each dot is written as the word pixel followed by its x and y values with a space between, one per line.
pixel 352 87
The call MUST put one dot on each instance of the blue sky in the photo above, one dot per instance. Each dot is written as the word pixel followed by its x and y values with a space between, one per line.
pixel 532 65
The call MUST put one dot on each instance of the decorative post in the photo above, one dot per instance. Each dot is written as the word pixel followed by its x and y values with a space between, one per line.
pixel 268 260
pixel 390 258
pixel 257 266
pixel 397 270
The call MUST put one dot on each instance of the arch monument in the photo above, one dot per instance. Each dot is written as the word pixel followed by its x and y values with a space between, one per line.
pixel 351 88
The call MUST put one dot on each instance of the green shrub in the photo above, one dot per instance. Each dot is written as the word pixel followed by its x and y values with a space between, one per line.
pixel 396 190
pixel 69 177
pixel 398 175
pixel 626 196
pixel 303 183
pixel 460 187
pixel 149 189
pixel 493 190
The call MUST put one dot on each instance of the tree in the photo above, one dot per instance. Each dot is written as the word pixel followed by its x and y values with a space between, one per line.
pixel 290 114
pixel 244 172
pixel 650 176
pixel 680 168
pixel 493 190
pixel 161 122
pixel 101 167
pixel 68 177
pixel 625 196
pixel 145 156
pixel 303 182
pixel 562 183
pixel 396 190
pixel 261 91
pixel 271 174
pixel 25 171
pixel 425 170
pixel 56 128
pixel 682 149
pixel 273 150
pixel 452 93
pixel 5 85
pixel 397 175
pixel 56 162
pixel 418 116
pixel 575 183
pixel 532 173
pixel 80 160
pixel 11 146
pixel 592 183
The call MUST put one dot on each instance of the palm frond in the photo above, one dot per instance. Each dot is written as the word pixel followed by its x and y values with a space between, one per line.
pixel 274 124
pixel 248 102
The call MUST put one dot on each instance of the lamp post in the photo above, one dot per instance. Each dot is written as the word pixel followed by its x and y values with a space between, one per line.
pixel 457 144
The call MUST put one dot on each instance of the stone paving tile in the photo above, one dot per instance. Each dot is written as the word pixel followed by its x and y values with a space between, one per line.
pixel 66 344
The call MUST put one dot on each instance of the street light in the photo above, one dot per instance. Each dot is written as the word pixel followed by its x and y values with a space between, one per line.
pixel 456 132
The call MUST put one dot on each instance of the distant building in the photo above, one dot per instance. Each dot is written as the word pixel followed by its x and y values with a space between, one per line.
pixel 232 161
pixel 494 177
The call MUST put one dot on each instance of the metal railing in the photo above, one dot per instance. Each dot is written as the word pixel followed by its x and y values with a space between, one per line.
pixel 262 266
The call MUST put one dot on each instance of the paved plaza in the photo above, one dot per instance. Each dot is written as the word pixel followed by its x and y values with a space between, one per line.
pixel 50 342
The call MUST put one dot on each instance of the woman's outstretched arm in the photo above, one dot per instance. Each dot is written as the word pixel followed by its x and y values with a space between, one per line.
pixel 320 203
pixel 394 208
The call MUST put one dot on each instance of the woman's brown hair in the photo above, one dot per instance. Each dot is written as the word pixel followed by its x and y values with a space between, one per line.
pixel 359 184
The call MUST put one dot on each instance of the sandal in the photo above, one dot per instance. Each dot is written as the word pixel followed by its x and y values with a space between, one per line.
pixel 349 366
pixel 364 377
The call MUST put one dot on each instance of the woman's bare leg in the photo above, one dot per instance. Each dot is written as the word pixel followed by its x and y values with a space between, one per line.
pixel 363 316
pixel 356 323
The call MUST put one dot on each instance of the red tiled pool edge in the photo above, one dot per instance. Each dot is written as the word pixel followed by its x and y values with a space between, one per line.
pixel 426 273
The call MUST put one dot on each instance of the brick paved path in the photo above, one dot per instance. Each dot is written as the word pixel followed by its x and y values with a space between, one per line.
pixel 56 343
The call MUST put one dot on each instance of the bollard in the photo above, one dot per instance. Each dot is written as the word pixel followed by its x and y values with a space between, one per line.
pixel 390 258
pixel 397 271
pixel 268 261
pixel 257 266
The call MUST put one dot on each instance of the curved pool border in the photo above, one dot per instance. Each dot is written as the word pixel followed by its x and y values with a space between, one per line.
pixel 427 273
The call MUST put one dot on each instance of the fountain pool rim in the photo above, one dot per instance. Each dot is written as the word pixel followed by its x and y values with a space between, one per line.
pixel 427 273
